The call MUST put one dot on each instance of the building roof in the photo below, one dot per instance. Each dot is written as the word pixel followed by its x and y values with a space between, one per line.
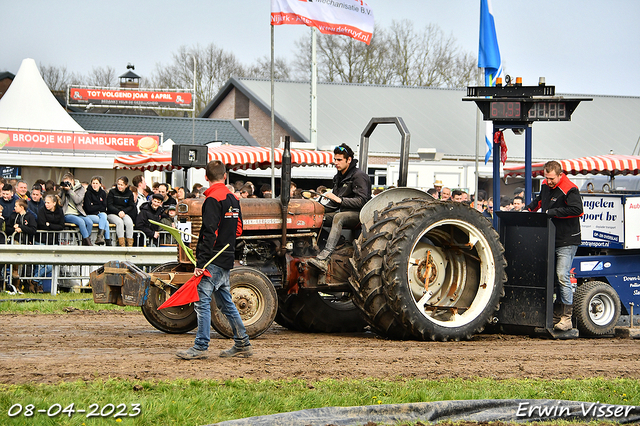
pixel 263 103
pixel 178 129
pixel 129 74
pixel 438 118
pixel 6 74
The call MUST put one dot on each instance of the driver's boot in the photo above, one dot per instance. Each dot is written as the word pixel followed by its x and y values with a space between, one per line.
pixel 321 261
pixel 565 320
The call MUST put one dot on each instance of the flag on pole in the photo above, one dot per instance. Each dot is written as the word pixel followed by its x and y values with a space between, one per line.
pixel 352 18
pixel 188 293
pixel 489 59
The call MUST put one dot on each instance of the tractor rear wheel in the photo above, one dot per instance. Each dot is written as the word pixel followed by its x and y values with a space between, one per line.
pixel 444 271
pixel 174 320
pixel 256 301
pixel 367 265
pixel 310 311
pixel 596 306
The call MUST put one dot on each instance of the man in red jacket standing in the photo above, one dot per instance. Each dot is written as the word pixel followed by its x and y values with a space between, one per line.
pixel 221 224
pixel 560 199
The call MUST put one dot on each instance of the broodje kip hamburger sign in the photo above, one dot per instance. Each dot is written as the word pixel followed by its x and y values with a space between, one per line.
pixel 78 142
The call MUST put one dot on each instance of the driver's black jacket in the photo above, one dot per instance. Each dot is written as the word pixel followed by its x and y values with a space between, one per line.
pixel 353 187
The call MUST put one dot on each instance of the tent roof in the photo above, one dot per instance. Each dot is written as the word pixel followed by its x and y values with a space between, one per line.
pixel 438 118
pixel 29 104
pixel 178 129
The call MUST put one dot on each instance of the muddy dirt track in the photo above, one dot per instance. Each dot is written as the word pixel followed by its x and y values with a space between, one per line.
pixel 90 345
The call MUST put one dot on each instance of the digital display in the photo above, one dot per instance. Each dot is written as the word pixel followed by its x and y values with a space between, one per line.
pixel 509 110
pixel 548 111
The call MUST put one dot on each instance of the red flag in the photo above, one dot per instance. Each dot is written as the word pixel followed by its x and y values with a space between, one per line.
pixel 498 137
pixel 186 294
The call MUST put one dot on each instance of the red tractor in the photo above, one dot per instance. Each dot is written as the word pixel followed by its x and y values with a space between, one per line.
pixel 415 268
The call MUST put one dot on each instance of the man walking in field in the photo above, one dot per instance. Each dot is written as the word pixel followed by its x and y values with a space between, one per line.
pixel 221 224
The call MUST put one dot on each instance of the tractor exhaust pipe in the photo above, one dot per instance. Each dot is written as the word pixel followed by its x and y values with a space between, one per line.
pixel 285 188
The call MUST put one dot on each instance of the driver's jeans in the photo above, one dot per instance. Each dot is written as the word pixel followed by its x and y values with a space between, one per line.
pixel 338 220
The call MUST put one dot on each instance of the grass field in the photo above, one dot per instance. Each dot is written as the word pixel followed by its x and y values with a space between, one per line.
pixel 195 402
pixel 46 303
pixel 200 402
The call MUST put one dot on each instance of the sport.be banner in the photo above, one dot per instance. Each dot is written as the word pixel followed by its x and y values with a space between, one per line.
pixel 352 18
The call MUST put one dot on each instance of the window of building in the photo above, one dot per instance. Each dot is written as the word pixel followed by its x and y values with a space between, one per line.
pixel 244 122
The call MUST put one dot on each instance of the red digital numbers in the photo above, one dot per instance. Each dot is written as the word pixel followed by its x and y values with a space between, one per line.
pixel 505 110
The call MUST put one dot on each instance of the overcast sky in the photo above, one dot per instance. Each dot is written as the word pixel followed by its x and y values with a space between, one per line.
pixel 580 46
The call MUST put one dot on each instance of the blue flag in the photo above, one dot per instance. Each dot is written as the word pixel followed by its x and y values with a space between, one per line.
pixel 489 59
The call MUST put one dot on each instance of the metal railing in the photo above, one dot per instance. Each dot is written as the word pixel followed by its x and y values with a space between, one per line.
pixel 58 256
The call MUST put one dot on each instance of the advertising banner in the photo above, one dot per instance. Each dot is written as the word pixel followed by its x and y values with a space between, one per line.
pixel 129 98
pixel 78 142
pixel 602 224
pixel 352 18
pixel 632 222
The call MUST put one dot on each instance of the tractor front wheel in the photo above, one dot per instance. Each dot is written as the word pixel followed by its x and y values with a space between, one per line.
pixel 256 301
pixel 174 320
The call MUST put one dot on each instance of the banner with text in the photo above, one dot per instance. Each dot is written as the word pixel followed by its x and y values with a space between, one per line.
pixel 128 98
pixel 632 222
pixel 352 18
pixel 14 140
pixel 602 224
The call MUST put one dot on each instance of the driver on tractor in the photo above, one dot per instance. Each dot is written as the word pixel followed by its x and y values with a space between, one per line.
pixel 351 191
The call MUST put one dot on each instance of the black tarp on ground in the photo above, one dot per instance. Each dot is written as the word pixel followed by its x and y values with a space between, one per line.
pixel 507 410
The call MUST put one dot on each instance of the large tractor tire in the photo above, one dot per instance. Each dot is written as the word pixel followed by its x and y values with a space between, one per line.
pixel 444 271
pixel 310 311
pixel 367 265
pixel 256 301
pixel 174 320
pixel 596 307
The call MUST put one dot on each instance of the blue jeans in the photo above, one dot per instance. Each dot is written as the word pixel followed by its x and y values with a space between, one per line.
pixel 218 285
pixel 83 223
pixel 563 287
pixel 103 223
pixel 43 271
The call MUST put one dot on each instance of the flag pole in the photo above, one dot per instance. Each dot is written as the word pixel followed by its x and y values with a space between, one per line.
pixel 478 127
pixel 313 136
pixel 273 132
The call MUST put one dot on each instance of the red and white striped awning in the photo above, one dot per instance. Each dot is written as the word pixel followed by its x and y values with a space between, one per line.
pixel 235 157
pixel 610 165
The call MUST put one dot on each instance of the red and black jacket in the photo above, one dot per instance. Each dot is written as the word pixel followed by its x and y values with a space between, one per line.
pixel 221 224
pixel 563 204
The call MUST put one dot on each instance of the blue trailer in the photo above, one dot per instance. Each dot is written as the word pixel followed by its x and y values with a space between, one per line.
pixel 606 269
pixel 607 265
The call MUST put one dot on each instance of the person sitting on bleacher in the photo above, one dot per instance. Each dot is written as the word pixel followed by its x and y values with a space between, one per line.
pixel 95 205
pixel 23 223
pixel 151 210
pixel 50 218
pixel 36 201
pixel 72 196
pixel 122 211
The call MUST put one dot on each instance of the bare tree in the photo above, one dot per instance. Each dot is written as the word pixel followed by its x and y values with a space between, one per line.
pixel 214 66
pixel 261 68
pixel 399 55
pixel 58 78
pixel 102 77
pixel 343 59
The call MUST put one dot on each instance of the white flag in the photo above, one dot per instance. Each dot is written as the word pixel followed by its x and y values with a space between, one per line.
pixel 352 18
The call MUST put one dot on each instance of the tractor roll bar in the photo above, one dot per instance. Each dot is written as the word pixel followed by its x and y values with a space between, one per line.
pixel 404 145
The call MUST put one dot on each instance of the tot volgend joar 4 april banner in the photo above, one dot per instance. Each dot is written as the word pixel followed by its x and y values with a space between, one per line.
pixel 352 18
